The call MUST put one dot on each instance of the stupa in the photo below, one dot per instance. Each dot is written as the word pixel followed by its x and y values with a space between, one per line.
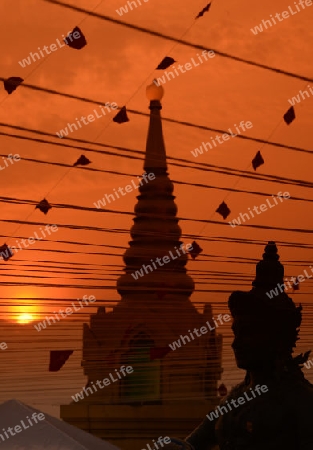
pixel 168 391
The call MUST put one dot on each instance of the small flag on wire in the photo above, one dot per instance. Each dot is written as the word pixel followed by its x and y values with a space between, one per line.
pixel 76 39
pixel 82 161
pixel 6 252
pixel 58 358
pixel 223 210
pixel 257 161
pixel 196 250
pixel 205 9
pixel 290 116
pixel 165 63
pixel 44 206
pixel 121 116
pixel 10 84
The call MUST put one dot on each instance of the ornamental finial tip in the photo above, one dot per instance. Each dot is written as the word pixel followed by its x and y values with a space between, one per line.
pixel 154 91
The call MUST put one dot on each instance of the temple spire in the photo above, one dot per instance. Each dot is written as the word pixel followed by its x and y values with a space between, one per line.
pixel 155 233
pixel 155 148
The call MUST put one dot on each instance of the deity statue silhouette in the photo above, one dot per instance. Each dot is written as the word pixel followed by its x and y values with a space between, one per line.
pixel 265 334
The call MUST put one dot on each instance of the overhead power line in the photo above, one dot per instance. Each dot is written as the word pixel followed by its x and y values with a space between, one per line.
pixel 165 119
pixel 202 166
pixel 179 41
pixel 128 213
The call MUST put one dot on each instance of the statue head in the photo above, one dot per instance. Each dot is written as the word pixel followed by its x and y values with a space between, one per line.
pixel 265 329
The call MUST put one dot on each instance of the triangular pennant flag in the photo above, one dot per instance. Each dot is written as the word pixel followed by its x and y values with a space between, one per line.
pixel 58 358
pixel 44 206
pixel 222 390
pixel 196 250
pixel 205 9
pixel 76 39
pixel 158 352
pixel 12 83
pixel 6 252
pixel 290 116
pixel 223 210
pixel 257 161
pixel 165 63
pixel 121 116
pixel 82 161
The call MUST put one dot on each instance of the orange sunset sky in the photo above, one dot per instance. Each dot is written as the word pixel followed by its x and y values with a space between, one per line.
pixel 115 66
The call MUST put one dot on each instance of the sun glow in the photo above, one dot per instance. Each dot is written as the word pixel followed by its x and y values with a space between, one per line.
pixel 25 318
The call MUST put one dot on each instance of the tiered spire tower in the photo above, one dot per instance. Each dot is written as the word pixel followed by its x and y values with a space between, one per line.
pixel 155 232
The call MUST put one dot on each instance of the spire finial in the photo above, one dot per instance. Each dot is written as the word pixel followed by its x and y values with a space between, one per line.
pixel 155 159
pixel 154 91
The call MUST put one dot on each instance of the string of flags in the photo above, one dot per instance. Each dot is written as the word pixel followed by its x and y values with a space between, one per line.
pixel 257 161
pixel 44 206
pixel 77 40
pixel 12 83
pixel 59 357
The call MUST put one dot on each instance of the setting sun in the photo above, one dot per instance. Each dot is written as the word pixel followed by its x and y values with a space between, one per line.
pixel 25 318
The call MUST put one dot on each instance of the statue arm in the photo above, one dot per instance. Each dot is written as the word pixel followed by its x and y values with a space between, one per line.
pixel 203 437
